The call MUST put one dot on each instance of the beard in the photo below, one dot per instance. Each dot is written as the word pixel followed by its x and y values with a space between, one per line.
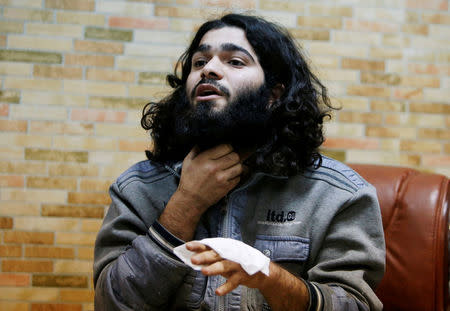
pixel 245 122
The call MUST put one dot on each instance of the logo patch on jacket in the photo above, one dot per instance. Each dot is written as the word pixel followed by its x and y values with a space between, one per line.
pixel 280 216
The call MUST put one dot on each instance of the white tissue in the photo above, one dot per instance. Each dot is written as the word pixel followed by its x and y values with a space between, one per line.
pixel 250 259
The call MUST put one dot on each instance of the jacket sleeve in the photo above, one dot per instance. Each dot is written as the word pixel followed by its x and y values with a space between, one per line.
pixel 351 261
pixel 134 268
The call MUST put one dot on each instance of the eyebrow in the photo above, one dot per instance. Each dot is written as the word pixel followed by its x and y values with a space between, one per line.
pixel 228 47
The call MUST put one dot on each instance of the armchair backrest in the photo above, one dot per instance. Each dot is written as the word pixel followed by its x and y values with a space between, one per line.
pixel 414 208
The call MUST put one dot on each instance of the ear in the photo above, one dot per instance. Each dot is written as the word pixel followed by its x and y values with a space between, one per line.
pixel 276 92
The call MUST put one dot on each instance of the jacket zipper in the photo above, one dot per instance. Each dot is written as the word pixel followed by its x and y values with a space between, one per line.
pixel 175 173
pixel 222 300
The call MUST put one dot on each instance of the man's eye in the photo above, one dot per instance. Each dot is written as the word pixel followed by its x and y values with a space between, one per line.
pixel 199 63
pixel 236 62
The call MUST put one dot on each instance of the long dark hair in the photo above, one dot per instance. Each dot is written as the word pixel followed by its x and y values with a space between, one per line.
pixel 297 116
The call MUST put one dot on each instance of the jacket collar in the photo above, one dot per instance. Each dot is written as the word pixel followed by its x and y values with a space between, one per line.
pixel 176 167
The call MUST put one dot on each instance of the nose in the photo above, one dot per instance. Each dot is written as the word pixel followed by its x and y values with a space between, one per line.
pixel 213 69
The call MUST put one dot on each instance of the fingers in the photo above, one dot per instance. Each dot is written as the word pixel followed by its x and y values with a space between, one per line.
pixel 232 183
pixel 197 247
pixel 229 160
pixel 223 158
pixel 232 282
pixel 192 154
pixel 226 168
pixel 206 258
pixel 231 270
pixel 218 151
pixel 209 175
pixel 228 269
pixel 205 255
pixel 228 178
pixel 234 171
pixel 221 267
pixel 224 153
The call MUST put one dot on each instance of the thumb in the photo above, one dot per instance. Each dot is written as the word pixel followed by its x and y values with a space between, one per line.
pixel 193 153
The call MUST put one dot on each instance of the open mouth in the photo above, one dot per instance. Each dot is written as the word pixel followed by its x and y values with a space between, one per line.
pixel 207 92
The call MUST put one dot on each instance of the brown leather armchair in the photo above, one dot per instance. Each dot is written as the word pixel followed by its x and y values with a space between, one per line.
pixel 414 208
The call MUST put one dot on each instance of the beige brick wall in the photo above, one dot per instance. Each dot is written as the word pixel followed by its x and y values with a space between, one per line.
pixel 75 75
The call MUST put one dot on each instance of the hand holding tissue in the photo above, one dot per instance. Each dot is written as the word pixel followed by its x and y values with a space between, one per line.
pixel 249 258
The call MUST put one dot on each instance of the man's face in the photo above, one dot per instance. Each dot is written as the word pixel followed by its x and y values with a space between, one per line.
pixel 223 66
pixel 226 94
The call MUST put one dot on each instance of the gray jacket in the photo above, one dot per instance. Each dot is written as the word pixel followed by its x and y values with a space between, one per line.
pixel 323 226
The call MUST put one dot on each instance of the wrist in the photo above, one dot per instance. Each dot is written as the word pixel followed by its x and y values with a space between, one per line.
pixel 191 200
pixel 284 291
pixel 181 216
pixel 268 283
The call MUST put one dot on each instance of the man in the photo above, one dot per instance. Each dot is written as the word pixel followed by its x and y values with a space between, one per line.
pixel 236 156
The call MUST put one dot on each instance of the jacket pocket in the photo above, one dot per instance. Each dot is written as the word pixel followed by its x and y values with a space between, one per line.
pixel 198 289
pixel 283 248
pixel 190 294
